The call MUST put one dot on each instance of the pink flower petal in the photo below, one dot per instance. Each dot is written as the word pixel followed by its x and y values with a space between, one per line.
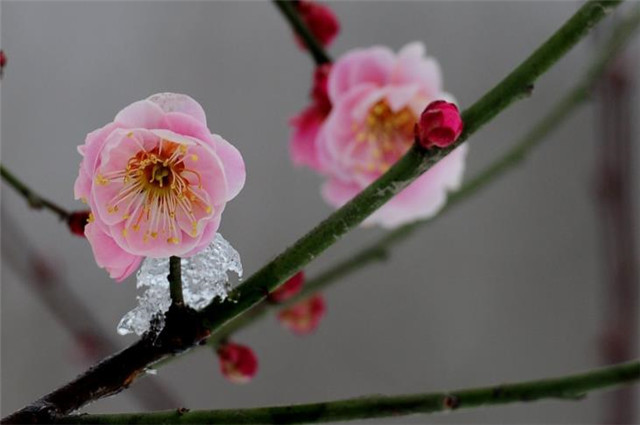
pixel 373 66
pixel 234 167
pixel 118 263
pixel 142 114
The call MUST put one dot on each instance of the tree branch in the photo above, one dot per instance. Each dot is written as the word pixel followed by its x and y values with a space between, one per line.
pixel 379 250
pixel 572 387
pixel 33 199
pixel 183 330
pixel 404 172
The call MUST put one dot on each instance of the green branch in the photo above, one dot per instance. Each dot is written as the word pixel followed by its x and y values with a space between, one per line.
pixel 288 10
pixel 570 387
pixel 175 281
pixel 378 250
pixel 33 199
pixel 404 172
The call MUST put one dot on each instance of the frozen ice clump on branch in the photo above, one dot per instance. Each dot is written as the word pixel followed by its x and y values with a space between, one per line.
pixel 204 277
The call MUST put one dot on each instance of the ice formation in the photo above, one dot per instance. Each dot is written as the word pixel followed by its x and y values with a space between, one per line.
pixel 204 277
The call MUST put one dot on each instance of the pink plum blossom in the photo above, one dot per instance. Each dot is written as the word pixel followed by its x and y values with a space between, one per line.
pixel 376 99
pixel 306 124
pixel 156 180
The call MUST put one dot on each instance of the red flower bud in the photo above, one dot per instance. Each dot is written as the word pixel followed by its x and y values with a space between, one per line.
pixel 304 317
pixel 440 124
pixel 320 20
pixel 3 59
pixel 238 363
pixel 288 289
pixel 77 220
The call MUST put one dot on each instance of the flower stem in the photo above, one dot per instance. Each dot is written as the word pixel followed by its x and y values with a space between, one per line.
pixel 118 371
pixel 288 10
pixel 571 387
pixel 175 281
pixel 33 199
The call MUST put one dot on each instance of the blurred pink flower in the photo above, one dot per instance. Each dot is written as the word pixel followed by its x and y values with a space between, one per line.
pixel 288 289
pixel 303 317
pixel 156 181
pixel 376 97
pixel 440 124
pixel 307 123
pixel 320 20
pixel 238 363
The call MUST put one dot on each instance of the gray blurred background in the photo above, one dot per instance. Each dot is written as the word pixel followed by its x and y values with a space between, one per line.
pixel 508 286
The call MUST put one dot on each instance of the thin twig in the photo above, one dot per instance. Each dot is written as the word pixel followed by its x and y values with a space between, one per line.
pixel 184 330
pixel 288 10
pixel 33 199
pixel 572 387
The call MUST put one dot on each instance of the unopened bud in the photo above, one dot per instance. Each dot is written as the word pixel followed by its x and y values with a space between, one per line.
pixel 238 363
pixel 77 220
pixel 320 20
pixel 440 125
pixel 288 289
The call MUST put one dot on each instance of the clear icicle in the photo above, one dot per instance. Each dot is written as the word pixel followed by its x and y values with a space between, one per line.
pixel 204 277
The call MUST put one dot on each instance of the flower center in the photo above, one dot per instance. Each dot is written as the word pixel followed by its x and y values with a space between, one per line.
pixel 159 175
pixel 158 189
pixel 385 135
